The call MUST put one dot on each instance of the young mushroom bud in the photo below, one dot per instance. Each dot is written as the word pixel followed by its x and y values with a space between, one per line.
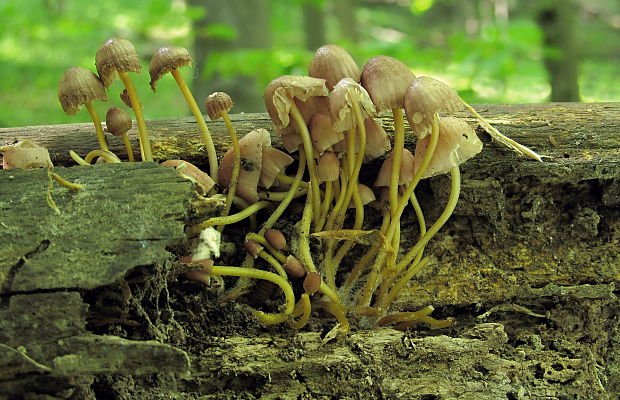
pixel 118 122
pixel 293 267
pixel 79 86
pixel 312 282
pixel 217 103
pixel 275 238
pixel 253 248
pixel 333 63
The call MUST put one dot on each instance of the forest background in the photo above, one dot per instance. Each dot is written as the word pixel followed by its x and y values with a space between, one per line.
pixel 508 51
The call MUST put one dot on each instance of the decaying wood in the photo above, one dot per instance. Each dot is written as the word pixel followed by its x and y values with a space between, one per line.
pixel 528 266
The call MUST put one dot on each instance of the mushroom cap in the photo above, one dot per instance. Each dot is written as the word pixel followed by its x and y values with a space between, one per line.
pixel 377 140
pixel 366 195
pixel 124 95
pixel 217 102
pixel 322 132
pixel 328 167
pixel 332 63
pixel 426 96
pixel 275 238
pixel 386 80
pixel 189 171
pixel 457 143
pixel 406 170
pixel 312 282
pixel 345 93
pixel 253 247
pixel 274 162
pixel 251 149
pixel 117 121
pixel 25 154
pixel 293 267
pixel 78 86
pixel 116 54
pixel 281 91
pixel 166 59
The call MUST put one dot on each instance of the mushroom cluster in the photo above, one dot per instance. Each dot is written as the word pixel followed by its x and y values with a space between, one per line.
pixel 330 118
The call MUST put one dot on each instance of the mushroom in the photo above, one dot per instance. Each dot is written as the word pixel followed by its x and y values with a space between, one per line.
pixel 79 86
pixel 118 56
pixel 189 171
pixel 427 95
pixel 170 59
pixel 218 105
pixel 386 79
pixel 333 63
pixel 118 123
pixel 279 97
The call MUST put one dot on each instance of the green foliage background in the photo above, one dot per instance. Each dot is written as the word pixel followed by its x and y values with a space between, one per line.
pixel 500 62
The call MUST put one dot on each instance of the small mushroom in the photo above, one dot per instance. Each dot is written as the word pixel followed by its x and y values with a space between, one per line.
pixel 79 86
pixel 118 123
pixel 118 56
pixel 189 171
pixel 25 154
pixel 170 59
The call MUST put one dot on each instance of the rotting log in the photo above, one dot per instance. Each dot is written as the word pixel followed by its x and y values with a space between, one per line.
pixel 528 266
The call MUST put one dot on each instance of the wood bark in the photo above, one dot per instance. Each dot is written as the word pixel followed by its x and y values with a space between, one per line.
pixel 528 266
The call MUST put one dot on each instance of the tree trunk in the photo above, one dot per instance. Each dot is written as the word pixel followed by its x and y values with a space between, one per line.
pixel 528 266
pixel 557 19
pixel 314 25
pixel 250 23
pixel 345 13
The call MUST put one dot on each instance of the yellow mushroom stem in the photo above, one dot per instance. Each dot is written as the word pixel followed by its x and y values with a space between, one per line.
pixel 419 246
pixel 145 142
pixel 305 255
pixel 261 239
pixel 306 307
pixel 234 218
pixel 308 149
pixel 232 188
pixel 128 146
pixel 289 180
pixel 280 196
pixel 274 263
pixel 202 125
pixel 97 122
pixel 397 157
pixel 268 319
pixel 107 155
pixel 405 316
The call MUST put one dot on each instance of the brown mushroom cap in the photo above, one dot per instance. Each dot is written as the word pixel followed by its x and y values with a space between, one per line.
pixel 116 54
pixel 345 93
pixel 251 148
pixel 312 282
pixel 322 132
pixel 217 102
pixel 366 195
pixel 426 96
pixel 406 170
pixel 275 238
pixel 294 267
pixel 386 80
pixel 457 143
pixel 333 63
pixel 281 92
pixel 25 154
pixel 79 86
pixel 328 167
pixel 274 162
pixel 189 171
pixel 117 121
pixel 166 59
pixel 377 140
